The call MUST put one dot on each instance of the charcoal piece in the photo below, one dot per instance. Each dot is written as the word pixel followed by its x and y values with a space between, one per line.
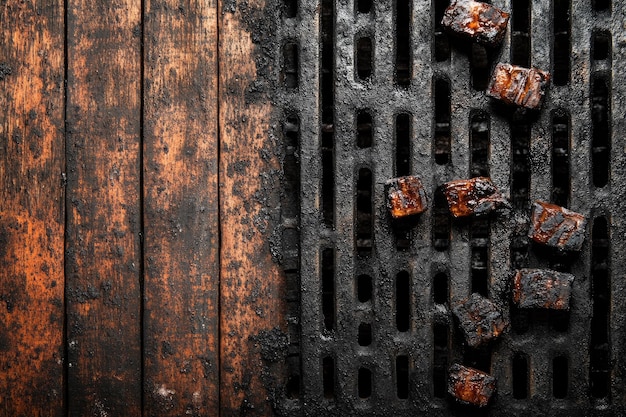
pixel 470 386
pixel 556 226
pixel 405 196
pixel 542 288
pixel 480 22
pixel 480 320
pixel 476 196
pixel 519 86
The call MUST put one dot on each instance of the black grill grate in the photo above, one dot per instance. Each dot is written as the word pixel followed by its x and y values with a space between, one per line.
pixel 375 89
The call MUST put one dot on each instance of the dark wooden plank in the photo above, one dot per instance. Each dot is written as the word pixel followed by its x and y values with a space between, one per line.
pixel 31 208
pixel 181 208
pixel 103 252
pixel 251 284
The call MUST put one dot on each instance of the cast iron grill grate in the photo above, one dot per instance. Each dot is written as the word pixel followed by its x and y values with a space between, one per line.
pixel 376 89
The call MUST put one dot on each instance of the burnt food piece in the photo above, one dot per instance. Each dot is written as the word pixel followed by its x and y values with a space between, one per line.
pixel 480 320
pixel 405 196
pixel 542 288
pixel 476 196
pixel 470 386
pixel 478 21
pixel 519 86
pixel 556 226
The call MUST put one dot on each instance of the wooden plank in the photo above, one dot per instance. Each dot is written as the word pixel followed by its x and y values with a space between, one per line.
pixel 103 263
pixel 31 208
pixel 251 285
pixel 181 208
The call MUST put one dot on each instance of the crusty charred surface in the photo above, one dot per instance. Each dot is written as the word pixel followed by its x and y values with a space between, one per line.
pixel 556 226
pixel 470 386
pixel 520 86
pixel 480 320
pixel 405 196
pixel 542 288
pixel 476 196
pixel 478 21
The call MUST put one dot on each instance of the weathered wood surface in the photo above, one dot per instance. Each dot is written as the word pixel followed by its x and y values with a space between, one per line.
pixel 181 209
pixel 118 293
pixel 31 209
pixel 253 341
pixel 103 249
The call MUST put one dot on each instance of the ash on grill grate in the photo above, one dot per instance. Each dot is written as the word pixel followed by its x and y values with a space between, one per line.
pixel 382 91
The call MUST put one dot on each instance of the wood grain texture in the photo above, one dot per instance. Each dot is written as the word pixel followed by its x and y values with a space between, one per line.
pixel 31 209
pixel 181 209
pixel 103 252
pixel 252 335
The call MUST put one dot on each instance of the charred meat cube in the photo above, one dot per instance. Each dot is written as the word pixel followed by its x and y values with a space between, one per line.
pixel 480 320
pixel 519 86
pixel 475 196
pixel 470 386
pixel 478 21
pixel 556 226
pixel 542 288
pixel 405 196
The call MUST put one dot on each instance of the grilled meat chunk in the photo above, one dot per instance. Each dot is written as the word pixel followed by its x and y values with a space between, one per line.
pixel 405 196
pixel 520 86
pixel 470 386
pixel 480 320
pixel 542 288
pixel 478 21
pixel 475 196
pixel 556 226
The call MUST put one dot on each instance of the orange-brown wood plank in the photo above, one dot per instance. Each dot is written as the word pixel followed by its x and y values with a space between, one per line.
pixel 103 250
pixel 31 208
pixel 181 208
pixel 251 286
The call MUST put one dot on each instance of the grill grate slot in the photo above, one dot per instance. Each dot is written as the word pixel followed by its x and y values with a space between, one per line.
pixel 403 301
pixel 364 52
pixel 363 219
pixel 601 300
pixel 402 377
pixel 440 288
pixel 328 288
pixel 601 5
pixel 442 43
pixel 328 372
pixel 600 113
pixel 365 334
pixel 480 66
pixel 364 128
pixel 442 121
pixel 520 33
pixel 365 383
pixel 562 44
pixel 290 8
pixel 520 376
pixel 560 158
pixel 363 6
pixel 560 376
pixel 290 65
pixel 403 42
